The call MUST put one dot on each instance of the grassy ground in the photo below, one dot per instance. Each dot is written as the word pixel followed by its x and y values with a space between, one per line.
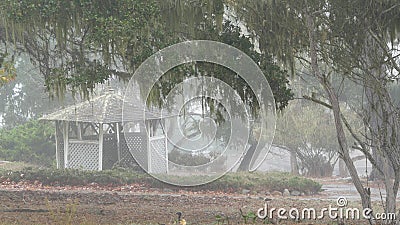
pixel 105 207
pixel 231 182
pixel 30 195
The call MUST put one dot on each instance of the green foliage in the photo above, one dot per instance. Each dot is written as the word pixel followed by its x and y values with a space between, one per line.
pixel 249 217
pixel 221 219
pixel 32 142
pixel 187 159
pixel 312 135
pixel 76 44
pixel 74 177
pixel 63 218
pixel 92 40
pixel 7 71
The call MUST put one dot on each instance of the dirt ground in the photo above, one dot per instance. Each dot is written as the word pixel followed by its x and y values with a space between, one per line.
pixel 137 206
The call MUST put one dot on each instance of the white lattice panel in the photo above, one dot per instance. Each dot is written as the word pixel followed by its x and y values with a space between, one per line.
pixel 158 156
pixel 83 156
pixel 137 145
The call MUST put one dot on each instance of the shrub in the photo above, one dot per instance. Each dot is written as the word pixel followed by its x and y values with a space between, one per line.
pixel 31 142
pixel 187 159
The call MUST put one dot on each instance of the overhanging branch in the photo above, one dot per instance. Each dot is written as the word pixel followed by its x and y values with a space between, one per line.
pixel 363 147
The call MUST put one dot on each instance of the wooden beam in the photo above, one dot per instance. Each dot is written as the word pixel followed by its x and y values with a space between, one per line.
pixel 85 127
pixel 57 145
pixel 66 137
pixel 94 127
pixel 166 153
pixel 148 145
pixel 79 130
pixel 117 127
pixel 101 132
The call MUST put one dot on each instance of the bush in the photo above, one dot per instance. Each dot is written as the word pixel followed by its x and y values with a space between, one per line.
pixel 55 177
pixel 275 181
pixel 187 159
pixel 31 142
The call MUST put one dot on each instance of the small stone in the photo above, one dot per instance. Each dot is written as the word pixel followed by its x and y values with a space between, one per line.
pixel 267 193
pixel 245 191
pixel 276 193
pixel 286 193
pixel 295 193
pixel 268 199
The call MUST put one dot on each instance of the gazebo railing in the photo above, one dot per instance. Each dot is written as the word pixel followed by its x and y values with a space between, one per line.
pixel 83 155
pixel 158 155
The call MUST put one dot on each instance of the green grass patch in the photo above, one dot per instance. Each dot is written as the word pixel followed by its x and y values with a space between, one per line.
pixel 231 182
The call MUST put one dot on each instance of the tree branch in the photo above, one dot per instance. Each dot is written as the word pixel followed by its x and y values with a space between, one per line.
pixel 363 147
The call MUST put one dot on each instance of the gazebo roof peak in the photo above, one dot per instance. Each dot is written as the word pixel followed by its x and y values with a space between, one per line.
pixel 106 108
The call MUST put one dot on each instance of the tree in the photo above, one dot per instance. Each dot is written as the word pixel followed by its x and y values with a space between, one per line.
pixel 310 135
pixel 78 44
pixel 358 41
pixel 24 97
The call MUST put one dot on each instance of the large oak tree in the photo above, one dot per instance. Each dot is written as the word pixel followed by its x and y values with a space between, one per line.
pixel 78 44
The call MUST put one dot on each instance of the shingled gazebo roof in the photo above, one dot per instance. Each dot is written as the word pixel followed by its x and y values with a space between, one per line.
pixel 106 108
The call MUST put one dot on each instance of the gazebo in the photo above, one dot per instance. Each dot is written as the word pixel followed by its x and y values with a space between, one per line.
pixel 92 136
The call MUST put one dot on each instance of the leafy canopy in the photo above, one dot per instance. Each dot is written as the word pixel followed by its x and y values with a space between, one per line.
pixel 78 44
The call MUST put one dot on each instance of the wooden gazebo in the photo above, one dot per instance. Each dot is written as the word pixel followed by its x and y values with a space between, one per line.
pixel 92 136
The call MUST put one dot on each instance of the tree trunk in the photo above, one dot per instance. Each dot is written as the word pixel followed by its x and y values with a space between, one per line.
pixel 383 124
pixel 343 172
pixel 344 150
pixel 293 162
pixel 245 163
pixel 389 186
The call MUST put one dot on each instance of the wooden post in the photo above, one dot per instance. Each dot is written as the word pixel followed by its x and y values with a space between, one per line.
pixel 117 127
pixel 57 143
pixel 79 130
pixel 148 136
pixel 101 131
pixel 166 152
pixel 66 137
pixel 162 124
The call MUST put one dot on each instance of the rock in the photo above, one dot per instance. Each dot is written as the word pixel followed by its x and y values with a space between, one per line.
pixel 245 191
pixel 276 193
pixel 267 193
pixel 268 199
pixel 286 193
pixel 295 193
